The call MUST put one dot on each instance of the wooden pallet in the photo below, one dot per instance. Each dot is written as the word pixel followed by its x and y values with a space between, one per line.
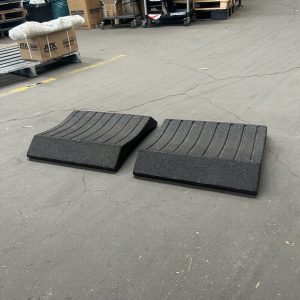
pixel 212 4
pixel 10 4
pixel 5 26
pixel 208 4
pixel 183 2
pixel 14 13
pixel 11 9
pixel 214 9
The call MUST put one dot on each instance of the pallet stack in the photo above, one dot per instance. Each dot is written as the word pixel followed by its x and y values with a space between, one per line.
pixel 12 14
pixel 212 9
pixel 217 9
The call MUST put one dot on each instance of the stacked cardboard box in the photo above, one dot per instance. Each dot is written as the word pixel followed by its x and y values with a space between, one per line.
pixel 46 47
pixel 129 8
pixel 90 10
pixel 93 11
pixel 112 8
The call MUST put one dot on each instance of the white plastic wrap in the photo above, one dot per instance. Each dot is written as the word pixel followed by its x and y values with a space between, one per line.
pixel 32 29
pixel 37 2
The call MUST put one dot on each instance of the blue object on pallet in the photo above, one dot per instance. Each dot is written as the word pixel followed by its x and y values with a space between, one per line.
pixel 59 8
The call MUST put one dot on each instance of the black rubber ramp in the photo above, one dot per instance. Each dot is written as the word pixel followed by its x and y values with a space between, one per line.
pixel 219 155
pixel 92 139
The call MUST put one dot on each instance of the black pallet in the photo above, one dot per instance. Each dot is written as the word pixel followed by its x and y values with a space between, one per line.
pixel 217 14
pixel 93 139
pixel 219 155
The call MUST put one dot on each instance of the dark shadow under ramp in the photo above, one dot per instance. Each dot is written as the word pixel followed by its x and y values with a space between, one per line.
pixel 92 139
pixel 219 155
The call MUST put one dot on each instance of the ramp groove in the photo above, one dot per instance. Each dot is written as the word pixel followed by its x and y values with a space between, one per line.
pixel 92 139
pixel 214 154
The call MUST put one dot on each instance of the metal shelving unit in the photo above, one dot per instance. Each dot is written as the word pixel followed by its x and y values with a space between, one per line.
pixel 165 11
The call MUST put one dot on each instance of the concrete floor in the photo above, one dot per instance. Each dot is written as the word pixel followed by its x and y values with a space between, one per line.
pixel 70 233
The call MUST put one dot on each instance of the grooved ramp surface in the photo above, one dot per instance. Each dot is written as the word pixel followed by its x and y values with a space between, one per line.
pixel 220 155
pixel 93 139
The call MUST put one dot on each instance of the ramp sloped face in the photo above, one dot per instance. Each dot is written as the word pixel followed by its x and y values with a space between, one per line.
pixel 219 155
pixel 92 139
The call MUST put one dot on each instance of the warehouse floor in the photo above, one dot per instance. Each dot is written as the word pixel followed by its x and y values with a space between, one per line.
pixel 71 233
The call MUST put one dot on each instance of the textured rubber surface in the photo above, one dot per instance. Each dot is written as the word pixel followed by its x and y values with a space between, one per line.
pixel 220 14
pixel 92 139
pixel 219 155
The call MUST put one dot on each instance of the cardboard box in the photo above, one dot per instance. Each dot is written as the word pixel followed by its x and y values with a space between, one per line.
pixel 46 47
pixel 128 8
pixel 112 8
pixel 90 10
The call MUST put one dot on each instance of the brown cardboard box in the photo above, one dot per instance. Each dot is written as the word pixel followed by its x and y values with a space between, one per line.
pixel 112 8
pixel 90 10
pixel 47 47
pixel 128 8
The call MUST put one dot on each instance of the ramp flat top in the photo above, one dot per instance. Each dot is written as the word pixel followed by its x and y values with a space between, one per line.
pixel 94 139
pixel 220 155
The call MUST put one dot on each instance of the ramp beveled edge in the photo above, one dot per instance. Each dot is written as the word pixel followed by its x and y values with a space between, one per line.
pixel 92 139
pixel 225 156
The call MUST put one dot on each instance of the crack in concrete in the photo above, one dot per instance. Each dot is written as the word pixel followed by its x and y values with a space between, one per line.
pixel 88 190
pixel 189 96
pixel 206 73
pixel 64 208
pixel 181 276
pixel 281 162
pixel 224 109
pixel 216 79
pixel 260 75
pixel 12 176
pixel 84 182
pixel 159 99
pixel 34 116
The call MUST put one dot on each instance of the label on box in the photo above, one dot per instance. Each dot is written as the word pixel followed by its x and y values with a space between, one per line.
pixel 67 43
pixel 94 11
pixel 77 12
pixel 25 46
pixel 50 47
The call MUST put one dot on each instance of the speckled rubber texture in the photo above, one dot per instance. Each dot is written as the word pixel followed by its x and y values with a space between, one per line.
pixel 220 155
pixel 92 139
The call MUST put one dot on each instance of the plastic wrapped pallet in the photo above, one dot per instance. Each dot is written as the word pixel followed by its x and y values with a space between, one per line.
pixel 33 29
